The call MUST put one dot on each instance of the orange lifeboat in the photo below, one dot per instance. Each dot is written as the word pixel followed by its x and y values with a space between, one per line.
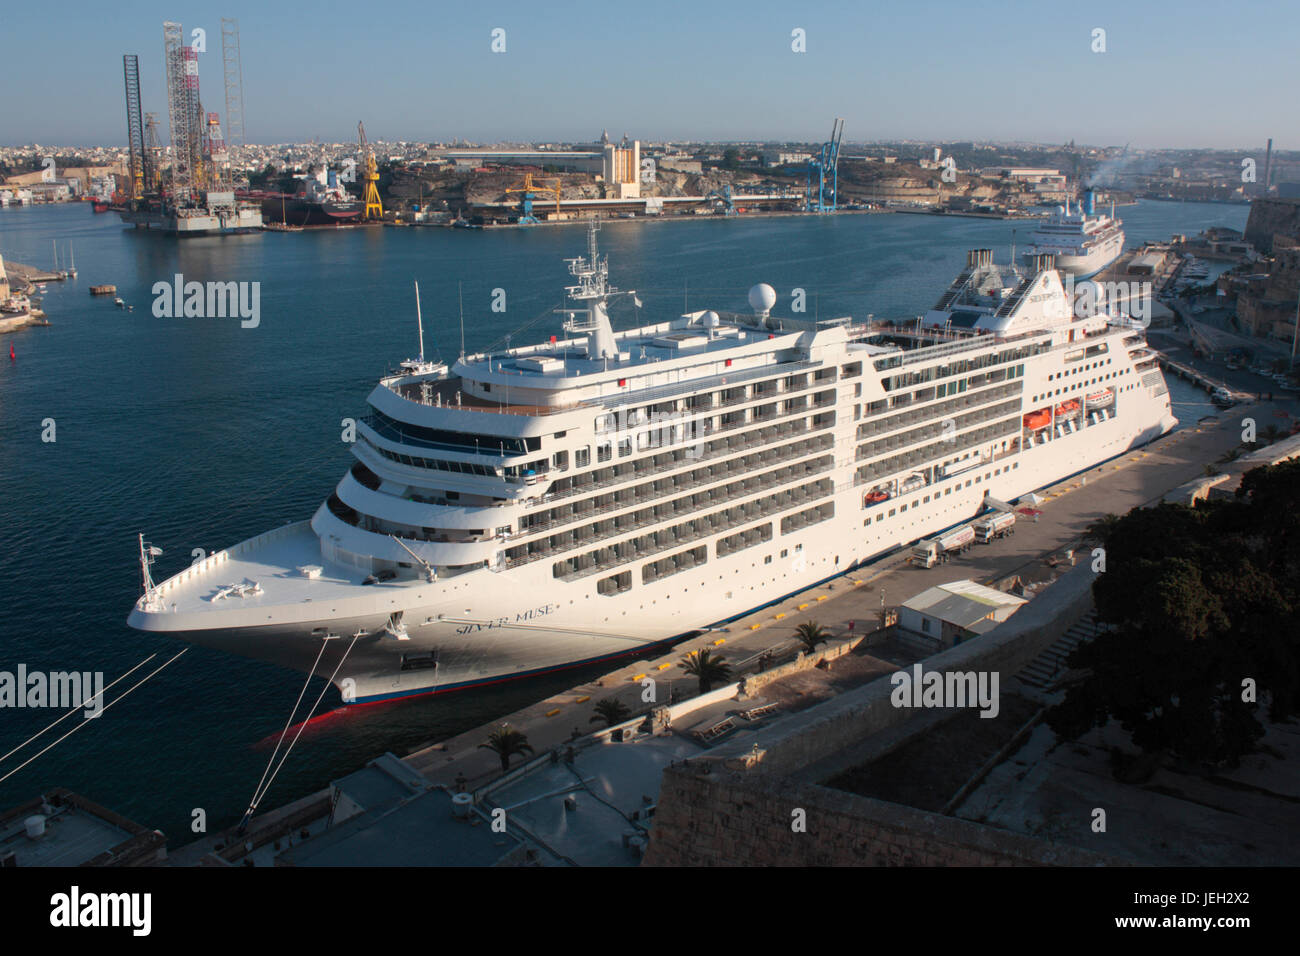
pixel 1039 419
pixel 1067 408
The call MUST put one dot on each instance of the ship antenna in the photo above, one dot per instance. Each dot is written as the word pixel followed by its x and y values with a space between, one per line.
pixel 419 320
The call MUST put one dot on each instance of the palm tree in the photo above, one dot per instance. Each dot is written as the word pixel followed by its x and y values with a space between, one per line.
pixel 1211 471
pixel 611 711
pixel 810 634
pixel 706 668
pixel 505 741
pixel 1270 434
pixel 1099 531
pixel 1231 455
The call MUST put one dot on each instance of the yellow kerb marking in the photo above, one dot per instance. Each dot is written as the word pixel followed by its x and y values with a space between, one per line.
pixel 552 713
pixel 721 640
pixel 583 699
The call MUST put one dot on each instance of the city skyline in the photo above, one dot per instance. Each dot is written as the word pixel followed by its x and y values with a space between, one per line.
pixel 946 73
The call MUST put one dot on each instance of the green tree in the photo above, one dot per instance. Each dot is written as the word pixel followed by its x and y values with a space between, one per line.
pixel 706 668
pixel 505 742
pixel 731 158
pixel 1199 600
pixel 810 634
pixel 611 711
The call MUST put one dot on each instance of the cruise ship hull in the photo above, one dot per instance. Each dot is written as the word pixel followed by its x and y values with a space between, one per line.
pixel 477 635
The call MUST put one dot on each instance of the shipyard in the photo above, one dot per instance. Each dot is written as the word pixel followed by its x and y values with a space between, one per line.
pixel 722 442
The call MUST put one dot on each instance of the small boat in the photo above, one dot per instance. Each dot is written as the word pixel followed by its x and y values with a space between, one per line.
pixel 1039 419
pixel 875 496
pixel 1099 399
pixel 119 303
pixel 103 289
pixel 914 481
pixel 1067 408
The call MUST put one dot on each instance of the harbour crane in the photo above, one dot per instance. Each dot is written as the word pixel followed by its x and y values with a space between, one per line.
pixel 526 200
pixel 826 166
pixel 370 175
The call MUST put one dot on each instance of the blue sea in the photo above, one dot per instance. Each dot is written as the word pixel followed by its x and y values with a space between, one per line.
pixel 202 432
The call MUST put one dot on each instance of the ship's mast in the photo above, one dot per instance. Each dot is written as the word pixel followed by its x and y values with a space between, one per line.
pixel 593 287
pixel 419 321
pixel 147 553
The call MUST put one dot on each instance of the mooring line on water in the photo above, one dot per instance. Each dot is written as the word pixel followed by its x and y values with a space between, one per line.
pixel 123 695
pixel 75 709
pixel 288 723
pixel 258 797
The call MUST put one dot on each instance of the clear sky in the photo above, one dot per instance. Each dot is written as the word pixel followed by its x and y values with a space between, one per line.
pixel 1191 73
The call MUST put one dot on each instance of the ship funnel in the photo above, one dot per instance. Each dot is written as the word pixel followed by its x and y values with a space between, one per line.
pixel 1043 262
pixel 1089 201
pixel 979 257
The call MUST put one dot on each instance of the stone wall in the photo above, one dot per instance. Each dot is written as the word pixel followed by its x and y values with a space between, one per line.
pixel 1269 217
pixel 821 734
pixel 731 818
pixel 733 804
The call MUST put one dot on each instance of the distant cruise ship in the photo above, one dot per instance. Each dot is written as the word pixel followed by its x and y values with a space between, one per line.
pixel 600 494
pixel 1082 242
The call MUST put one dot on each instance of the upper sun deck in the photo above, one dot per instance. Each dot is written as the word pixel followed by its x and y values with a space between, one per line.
pixel 560 376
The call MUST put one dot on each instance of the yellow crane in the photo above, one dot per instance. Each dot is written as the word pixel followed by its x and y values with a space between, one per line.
pixel 370 176
pixel 528 189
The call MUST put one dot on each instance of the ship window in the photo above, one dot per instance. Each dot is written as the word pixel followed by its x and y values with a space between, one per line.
pixel 892 512
pixel 880 517
pixel 582 457
pixel 604 452
pixel 624 447
pixel 785 552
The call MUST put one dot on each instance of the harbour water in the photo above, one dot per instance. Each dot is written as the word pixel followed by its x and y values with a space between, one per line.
pixel 201 432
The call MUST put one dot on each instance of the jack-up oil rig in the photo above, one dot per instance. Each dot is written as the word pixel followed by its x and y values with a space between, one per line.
pixel 196 196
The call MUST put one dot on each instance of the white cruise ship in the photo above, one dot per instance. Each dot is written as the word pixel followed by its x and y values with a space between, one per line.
pixel 1082 242
pixel 598 494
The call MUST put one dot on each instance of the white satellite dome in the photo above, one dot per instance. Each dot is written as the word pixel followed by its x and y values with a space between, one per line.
pixel 711 320
pixel 761 298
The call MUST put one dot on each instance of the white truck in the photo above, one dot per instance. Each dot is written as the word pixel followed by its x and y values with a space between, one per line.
pixel 997 525
pixel 932 551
